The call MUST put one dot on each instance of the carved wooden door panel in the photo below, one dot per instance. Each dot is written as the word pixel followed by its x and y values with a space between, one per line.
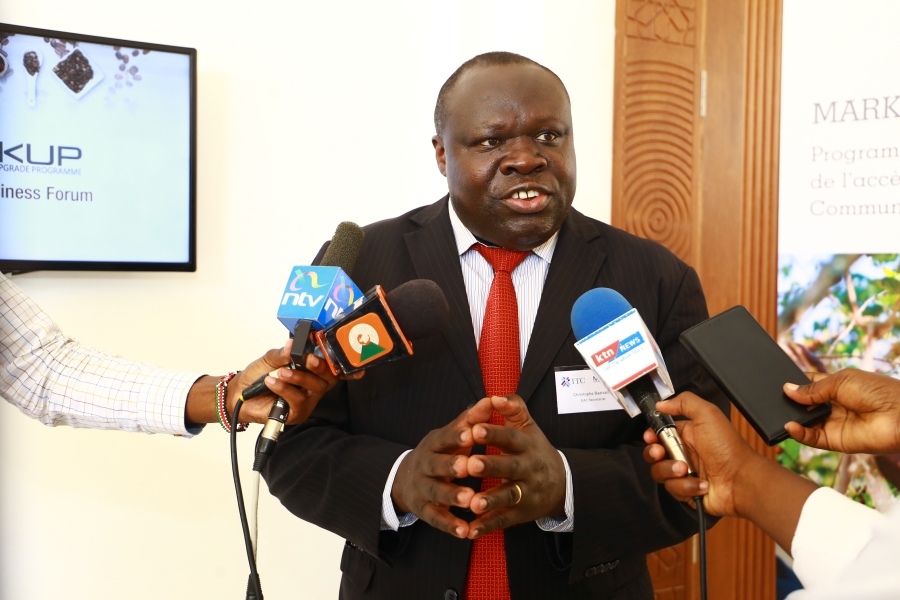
pixel 657 137
pixel 695 168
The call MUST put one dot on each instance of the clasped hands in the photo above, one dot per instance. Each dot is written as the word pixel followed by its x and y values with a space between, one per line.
pixel 532 474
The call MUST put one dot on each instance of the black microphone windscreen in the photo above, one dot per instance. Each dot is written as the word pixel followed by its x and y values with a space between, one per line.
pixel 419 307
pixel 344 247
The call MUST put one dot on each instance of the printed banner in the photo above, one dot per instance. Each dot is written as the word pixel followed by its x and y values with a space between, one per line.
pixel 839 213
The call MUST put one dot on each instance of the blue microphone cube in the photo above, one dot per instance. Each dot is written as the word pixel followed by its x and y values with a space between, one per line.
pixel 318 294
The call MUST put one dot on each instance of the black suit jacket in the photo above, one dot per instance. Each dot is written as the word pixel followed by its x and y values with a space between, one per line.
pixel 332 469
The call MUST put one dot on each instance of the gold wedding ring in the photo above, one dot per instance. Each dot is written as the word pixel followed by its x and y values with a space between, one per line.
pixel 520 494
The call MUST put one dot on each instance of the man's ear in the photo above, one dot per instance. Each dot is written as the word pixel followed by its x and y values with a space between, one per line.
pixel 439 154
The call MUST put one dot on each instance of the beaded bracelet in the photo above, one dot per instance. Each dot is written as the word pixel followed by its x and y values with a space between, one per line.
pixel 221 410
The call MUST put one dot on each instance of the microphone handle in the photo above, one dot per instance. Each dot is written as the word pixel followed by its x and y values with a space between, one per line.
pixel 268 437
pixel 301 332
pixel 645 395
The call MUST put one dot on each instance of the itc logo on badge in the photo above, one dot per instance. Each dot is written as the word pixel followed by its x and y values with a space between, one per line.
pixel 566 381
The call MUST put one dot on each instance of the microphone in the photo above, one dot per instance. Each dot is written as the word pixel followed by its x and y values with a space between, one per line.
pixel 303 308
pixel 313 298
pixel 316 296
pixel 619 348
pixel 381 327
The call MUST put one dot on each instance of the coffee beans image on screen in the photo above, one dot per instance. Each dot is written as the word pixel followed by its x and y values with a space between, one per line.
pixel 32 64
pixel 75 71
pixel 128 74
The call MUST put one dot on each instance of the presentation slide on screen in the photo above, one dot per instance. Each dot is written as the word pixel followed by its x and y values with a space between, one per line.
pixel 94 152
pixel 839 214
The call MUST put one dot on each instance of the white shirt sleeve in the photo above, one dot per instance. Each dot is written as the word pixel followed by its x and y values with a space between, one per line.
pixel 843 549
pixel 390 519
pixel 831 533
pixel 57 381
pixel 566 525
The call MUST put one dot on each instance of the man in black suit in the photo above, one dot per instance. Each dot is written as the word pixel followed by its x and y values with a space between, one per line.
pixel 392 462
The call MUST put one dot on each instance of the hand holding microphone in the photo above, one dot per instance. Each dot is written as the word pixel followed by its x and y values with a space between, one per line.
pixel 619 348
pixel 719 453
pixel 378 329
pixel 314 297
pixel 301 390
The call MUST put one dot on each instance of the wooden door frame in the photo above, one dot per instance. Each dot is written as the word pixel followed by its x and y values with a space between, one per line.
pixel 702 178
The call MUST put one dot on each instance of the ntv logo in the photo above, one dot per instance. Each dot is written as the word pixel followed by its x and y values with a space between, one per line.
pixel 296 285
pixel 61 153
pixel 341 296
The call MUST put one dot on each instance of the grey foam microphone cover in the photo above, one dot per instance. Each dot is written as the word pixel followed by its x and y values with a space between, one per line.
pixel 419 307
pixel 344 247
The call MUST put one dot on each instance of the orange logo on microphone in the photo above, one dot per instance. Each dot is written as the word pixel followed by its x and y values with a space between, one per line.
pixel 364 339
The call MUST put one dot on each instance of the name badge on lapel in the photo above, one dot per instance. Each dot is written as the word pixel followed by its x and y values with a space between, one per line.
pixel 579 390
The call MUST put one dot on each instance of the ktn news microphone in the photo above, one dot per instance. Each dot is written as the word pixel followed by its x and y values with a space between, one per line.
pixel 618 347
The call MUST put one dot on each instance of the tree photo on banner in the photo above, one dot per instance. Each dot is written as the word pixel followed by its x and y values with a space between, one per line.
pixel 839 215
pixel 834 312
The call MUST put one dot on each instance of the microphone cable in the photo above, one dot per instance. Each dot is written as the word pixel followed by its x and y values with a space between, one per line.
pixel 254 589
pixel 701 520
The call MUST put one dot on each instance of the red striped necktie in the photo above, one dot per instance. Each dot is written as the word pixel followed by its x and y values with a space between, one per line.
pixel 498 353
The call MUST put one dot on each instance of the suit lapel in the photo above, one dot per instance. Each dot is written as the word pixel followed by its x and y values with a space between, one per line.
pixel 573 271
pixel 434 256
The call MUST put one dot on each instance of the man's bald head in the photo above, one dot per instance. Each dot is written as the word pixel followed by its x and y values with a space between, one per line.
pixel 506 148
pixel 488 59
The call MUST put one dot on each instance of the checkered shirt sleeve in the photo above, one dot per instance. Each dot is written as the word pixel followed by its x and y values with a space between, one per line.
pixel 52 378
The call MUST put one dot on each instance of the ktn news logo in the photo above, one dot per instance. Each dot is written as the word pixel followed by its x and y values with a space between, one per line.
pixel 617 348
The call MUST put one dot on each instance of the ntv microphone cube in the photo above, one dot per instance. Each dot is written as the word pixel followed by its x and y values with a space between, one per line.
pixel 622 351
pixel 321 295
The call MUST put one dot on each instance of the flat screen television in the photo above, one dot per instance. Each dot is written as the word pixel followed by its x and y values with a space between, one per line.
pixel 98 142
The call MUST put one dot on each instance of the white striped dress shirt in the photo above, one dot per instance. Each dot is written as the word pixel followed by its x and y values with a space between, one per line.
pixel 478 275
pixel 52 378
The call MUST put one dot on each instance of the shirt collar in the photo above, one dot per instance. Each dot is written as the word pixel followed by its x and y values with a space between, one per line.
pixel 465 240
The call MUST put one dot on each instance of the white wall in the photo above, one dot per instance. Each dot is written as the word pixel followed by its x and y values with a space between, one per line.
pixel 309 113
